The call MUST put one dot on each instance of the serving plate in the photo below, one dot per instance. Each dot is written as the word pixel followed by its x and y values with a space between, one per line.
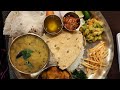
pixel 108 38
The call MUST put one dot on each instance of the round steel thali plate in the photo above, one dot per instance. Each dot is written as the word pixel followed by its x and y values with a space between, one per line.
pixel 108 38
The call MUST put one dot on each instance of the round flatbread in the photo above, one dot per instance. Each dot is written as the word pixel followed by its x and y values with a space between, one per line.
pixel 65 47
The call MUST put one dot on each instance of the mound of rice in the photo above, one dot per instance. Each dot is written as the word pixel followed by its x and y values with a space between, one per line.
pixel 23 22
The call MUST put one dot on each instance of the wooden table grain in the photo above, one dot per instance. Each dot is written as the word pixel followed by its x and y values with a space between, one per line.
pixel 113 19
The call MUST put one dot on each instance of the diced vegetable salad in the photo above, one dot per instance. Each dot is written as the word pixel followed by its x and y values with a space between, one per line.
pixel 92 30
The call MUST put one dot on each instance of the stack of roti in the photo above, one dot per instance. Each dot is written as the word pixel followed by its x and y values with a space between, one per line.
pixel 23 22
pixel 67 49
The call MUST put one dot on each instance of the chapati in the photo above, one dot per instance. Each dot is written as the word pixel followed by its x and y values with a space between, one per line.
pixel 65 47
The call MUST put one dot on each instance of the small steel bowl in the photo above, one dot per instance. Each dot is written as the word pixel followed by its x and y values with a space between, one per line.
pixel 47 68
pixel 74 15
pixel 32 75
pixel 53 24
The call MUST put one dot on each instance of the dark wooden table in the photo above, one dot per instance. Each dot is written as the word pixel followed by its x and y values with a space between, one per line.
pixel 4 69
pixel 113 19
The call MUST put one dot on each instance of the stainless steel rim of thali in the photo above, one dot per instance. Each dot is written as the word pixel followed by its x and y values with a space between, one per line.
pixel 110 43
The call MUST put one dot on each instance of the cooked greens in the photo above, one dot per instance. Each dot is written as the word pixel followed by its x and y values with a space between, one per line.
pixel 29 64
pixel 79 74
pixel 26 53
